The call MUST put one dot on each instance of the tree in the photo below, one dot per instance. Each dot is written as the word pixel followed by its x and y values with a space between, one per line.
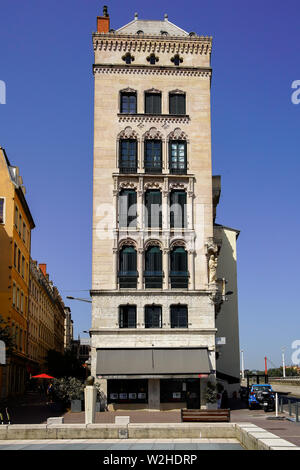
pixel 6 336
pixel 64 365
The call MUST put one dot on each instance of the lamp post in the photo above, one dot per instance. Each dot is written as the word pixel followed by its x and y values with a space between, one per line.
pixel 243 369
pixel 79 298
pixel 283 362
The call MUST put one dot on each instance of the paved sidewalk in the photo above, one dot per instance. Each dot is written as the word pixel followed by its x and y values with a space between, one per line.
pixel 120 444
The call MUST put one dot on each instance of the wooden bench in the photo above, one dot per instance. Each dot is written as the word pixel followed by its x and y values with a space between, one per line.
pixel 205 416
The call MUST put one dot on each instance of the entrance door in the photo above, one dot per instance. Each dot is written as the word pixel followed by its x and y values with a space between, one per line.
pixel 193 394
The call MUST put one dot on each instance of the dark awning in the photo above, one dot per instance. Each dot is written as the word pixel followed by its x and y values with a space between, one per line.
pixel 152 361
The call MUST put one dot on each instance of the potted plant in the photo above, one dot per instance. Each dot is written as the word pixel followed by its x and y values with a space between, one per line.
pixel 211 396
pixel 70 391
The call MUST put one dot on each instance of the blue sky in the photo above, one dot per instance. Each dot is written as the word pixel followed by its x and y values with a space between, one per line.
pixel 46 127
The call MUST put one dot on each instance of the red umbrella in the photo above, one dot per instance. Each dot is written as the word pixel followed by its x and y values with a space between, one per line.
pixel 42 376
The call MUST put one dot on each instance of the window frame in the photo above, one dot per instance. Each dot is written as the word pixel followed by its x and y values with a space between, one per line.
pixel 177 323
pixel 153 168
pixel 174 94
pixel 124 93
pixel 177 170
pixel 152 93
pixel 121 313
pixel 126 168
pixel 159 318
pixel 3 199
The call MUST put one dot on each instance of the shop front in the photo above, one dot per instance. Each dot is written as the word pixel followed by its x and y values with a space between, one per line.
pixel 156 379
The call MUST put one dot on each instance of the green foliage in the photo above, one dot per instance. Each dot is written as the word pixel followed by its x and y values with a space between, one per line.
pixel 68 388
pixel 64 365
pixel 6 336
pixel 211 394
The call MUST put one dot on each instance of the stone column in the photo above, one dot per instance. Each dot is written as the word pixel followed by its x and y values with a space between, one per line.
pixel 115 267
pixel 90 395
pixel 166 255
pixel 165 212
pixel 191 268
pixel 189 208
pixel 154 394
pixel 140 268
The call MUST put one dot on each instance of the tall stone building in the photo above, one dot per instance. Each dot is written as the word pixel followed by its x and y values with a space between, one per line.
pixel 155 286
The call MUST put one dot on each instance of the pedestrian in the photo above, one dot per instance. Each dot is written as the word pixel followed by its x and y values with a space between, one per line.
pixel 224 400
pixel 50 392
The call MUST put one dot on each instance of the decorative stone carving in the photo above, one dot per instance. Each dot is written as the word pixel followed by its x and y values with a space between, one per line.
pixel 212 269
pixel 189 45
pixel 154 70
pixel 128 90
pixel 177 92
pixel 128 185
pixel 153 133
pixel 127 242
pixel 177 185
pixel 153 90
pixel 153 185
pixel 143 119
pixel 127 133
pixel 177 134
pixel 152 242
pixel 177 242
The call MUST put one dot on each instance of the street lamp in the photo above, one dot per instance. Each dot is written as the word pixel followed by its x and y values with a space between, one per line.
pixel 78 298
pixel 243 370
pixel 283 363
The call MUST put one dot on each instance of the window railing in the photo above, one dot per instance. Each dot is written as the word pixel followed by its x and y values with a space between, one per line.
pixel 178 171
pixel 128 169
pixel 153 169
pixel 179 279
pixel 153 279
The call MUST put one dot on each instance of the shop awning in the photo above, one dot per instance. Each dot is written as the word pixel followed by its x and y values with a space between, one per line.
pixel 136 361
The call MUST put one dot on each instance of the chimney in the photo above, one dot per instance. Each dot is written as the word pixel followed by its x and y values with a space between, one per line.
pixel 103 22
pixel 43 268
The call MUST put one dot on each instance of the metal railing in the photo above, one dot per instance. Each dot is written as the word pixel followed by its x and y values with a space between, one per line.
pixel 290 406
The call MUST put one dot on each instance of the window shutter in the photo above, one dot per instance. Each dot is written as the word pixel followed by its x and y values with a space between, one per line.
pixel 131 317
pixel 132 209
pixel 123 198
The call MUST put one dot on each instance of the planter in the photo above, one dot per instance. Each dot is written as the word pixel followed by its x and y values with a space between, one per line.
pixel 212 406
pixel 98 406
pixel 76 406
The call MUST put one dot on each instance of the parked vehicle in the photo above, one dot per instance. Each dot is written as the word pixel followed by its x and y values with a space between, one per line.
pixel 261 395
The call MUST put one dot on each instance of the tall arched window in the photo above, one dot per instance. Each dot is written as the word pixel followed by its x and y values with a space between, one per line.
pixel 153 267
pixel 128 156
pixel 127 208
pixel 178 209
pixel 128 267
pixel 153 209
pixel 153 156
pixel 179 268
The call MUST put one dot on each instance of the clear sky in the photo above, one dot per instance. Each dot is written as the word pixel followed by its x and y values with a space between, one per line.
pixel 46 127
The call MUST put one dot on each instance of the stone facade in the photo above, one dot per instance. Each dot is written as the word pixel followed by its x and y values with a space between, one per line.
pixel 192 77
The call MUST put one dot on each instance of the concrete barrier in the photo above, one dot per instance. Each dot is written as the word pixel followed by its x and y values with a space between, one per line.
pixel 250 436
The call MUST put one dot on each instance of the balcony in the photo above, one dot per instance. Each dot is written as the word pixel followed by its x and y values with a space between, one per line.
pixel 179 279
pixel 128 279
pixel 153 279
pixel 128 169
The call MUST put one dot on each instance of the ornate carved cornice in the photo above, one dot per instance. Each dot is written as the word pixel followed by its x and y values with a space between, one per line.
pixel 177 134
pixel 153 185
pixel 143 119
pixel 153 133
pixel 178 185
pixel 127 133
pixel 129 43
pixel 128 185
pixel 153 70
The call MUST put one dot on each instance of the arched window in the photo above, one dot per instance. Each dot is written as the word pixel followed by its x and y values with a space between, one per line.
pixel 153 268
pixel 128 267
pixel 179 268
pixel 127 208
pixel 153 209
pixel 128 156
pixel 153 156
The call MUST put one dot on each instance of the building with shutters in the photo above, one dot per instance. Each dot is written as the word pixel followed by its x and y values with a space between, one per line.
pixel 155 292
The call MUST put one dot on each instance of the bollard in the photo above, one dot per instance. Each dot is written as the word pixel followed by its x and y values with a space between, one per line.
pixel 297 413
pixel 290 407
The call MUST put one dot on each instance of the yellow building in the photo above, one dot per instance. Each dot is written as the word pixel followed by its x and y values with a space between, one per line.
pixel 16 223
